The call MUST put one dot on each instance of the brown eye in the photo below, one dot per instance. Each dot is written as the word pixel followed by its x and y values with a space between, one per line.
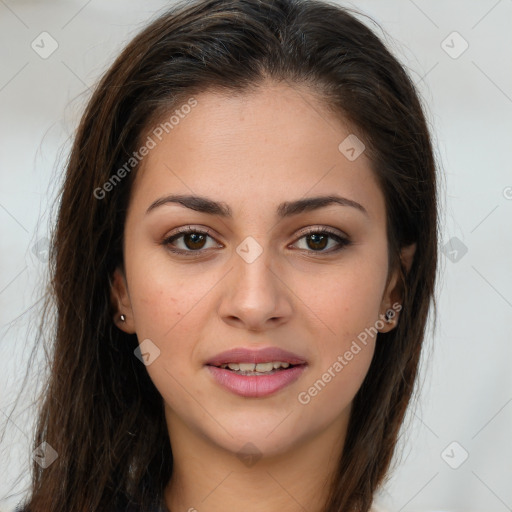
pixel 194 240
pixel 317 240
pixel 191 241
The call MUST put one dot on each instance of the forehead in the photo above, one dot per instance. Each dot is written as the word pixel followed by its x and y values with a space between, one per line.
pixel 260 148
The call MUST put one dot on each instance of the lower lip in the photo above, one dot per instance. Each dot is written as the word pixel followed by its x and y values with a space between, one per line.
pixel 256 386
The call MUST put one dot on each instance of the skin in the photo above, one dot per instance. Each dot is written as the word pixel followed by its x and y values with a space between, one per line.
pixel 253 152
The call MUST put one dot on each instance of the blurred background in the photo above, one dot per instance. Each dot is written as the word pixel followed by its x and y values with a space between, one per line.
pixel 455 452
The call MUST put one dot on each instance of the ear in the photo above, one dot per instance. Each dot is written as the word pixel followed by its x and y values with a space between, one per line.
pixel 120 300
pixel 393 295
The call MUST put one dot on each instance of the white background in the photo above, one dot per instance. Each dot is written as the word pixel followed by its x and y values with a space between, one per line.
pixel 466 391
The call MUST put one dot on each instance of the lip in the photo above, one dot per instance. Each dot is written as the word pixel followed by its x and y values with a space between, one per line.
pixel 256 386
pixel 264 355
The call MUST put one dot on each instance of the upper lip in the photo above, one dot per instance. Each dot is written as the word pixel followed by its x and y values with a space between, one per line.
pixel 264 355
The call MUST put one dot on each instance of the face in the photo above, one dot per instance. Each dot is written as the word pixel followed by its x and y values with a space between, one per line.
pixel 263 272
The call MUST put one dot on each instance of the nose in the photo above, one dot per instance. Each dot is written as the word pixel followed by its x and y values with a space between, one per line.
pixel 256 297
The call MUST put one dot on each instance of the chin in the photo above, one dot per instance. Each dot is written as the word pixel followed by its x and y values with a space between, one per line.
pixel 268 436
pixel 258 445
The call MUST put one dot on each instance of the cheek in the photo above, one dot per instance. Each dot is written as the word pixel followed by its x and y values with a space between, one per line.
pixel 346 302
pixel 166 309
pixel 163 298
pixel 344 349
pixel 328 395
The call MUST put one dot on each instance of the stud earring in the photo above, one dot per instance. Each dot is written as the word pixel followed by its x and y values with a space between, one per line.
pixel 123 318
pixel 390 316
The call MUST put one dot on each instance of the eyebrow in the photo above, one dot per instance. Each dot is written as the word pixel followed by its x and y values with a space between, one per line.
pixel 286 209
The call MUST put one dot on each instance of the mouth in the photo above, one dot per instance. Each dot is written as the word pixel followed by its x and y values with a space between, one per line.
pixel 256 374
pixel 256 369
pixel 246 356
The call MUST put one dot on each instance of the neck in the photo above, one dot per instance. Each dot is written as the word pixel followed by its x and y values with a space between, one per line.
pixel 208 477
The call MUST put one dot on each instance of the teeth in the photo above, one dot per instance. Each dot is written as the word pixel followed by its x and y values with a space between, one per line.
pixel 260 367
pixel 264 367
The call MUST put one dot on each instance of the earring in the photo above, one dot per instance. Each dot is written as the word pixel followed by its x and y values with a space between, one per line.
pixel 390 316
pixel 123 318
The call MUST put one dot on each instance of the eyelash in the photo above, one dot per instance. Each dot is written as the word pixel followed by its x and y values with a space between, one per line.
pixel 342 241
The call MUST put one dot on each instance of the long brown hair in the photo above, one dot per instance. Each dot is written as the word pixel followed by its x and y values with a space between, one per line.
pixel 100 411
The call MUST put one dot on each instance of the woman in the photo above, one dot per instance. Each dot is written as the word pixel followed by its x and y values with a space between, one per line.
pixel 243 266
